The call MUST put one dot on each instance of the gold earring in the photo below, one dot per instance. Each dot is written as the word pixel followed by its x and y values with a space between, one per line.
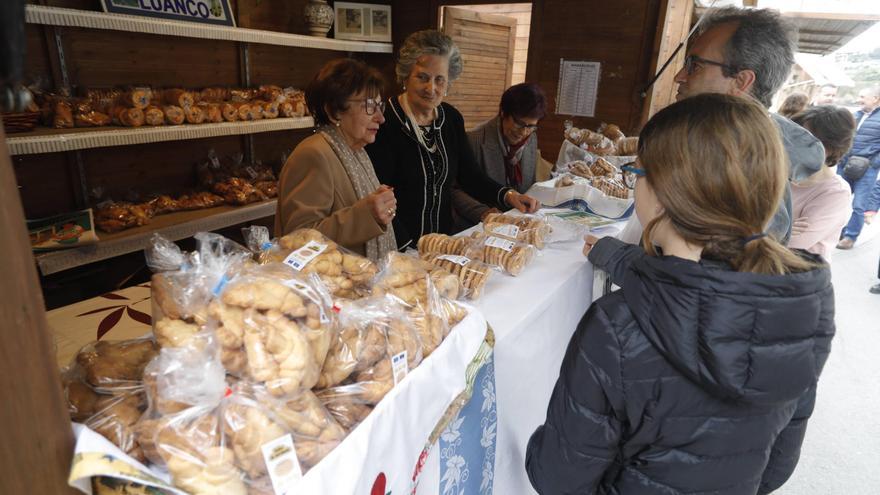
pixel 337 123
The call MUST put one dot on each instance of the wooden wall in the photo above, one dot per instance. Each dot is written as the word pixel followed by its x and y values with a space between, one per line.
pixel 620 35
pixel 522 12
pixel 52 183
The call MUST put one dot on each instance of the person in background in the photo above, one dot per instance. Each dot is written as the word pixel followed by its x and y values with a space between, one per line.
pixel 827 95
pixel 328 182
pixel 698 376
pixel 794 104
pixel 873 202
pixel 822 204
pixel 860 166
pixel 505 148
pixel 749 53
pixel 422 148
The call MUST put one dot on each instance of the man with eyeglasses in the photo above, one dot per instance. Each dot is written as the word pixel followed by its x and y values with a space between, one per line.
pixel 505 148
pixel 748 53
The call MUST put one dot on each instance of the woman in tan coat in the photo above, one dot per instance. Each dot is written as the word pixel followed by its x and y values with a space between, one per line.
pixel 328 182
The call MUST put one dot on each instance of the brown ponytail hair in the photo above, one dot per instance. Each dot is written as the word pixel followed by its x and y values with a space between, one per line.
pixel 718 168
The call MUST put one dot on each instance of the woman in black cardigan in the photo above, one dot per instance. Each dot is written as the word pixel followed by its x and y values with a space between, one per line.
pixel 422 148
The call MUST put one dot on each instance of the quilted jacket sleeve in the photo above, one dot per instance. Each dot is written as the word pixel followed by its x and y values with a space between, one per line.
pixel 579 441
pixel 615 257
pixel 787 448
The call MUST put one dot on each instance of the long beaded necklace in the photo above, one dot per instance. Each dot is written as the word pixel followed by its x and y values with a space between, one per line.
pixel 425 134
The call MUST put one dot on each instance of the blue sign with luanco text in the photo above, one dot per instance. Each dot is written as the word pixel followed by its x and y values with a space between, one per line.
pixel 205 11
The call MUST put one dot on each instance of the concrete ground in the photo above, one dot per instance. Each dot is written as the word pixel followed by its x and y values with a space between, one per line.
pixel 841 453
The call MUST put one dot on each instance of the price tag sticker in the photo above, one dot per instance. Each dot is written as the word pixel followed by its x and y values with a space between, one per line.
pixel 302 256
pixel 399 366
pixel 506 230
pixel 458 260
pixel 282 464
pixel 500 243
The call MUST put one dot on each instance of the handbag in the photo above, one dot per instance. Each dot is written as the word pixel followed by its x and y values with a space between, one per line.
pixel 855 168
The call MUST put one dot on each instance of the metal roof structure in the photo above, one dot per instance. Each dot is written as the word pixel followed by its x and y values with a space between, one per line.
pixel 824 33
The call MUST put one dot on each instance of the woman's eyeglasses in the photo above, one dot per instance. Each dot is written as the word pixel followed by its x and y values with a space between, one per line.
pixel 522 126
pixel 631 174
pixel 372 104
pixel 692 63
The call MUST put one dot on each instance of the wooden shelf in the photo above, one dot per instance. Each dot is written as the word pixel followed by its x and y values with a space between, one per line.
pixel 53 140
pixel 54 16
pixel 174 226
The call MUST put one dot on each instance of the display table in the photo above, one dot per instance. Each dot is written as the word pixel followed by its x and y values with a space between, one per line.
pixel 482 448
pixel 534 316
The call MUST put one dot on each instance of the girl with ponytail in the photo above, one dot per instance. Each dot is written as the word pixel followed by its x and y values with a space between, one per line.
pixel 700 374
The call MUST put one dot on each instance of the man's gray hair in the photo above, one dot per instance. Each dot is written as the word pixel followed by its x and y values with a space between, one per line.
pixel 763 42
pixel 428 42
pixel 872 90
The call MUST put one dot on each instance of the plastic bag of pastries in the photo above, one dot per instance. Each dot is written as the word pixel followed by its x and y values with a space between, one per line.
pixel 611 131
pixel 274 327
pixel 193 448
pixel 582 136
pixel 531 229
pixel 628 146
pixel 346 274
pixel 183 284
pixel 602 168
pixel 442 244
pixel 115 418
pixel 472 274
pixel 370 329
pixel 345 405
pixel 114 216
pixel 253 418
pixel 498 252
pixel 115 366
pixel 412 280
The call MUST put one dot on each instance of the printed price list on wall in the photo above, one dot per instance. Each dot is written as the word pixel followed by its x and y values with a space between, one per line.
pixel 578 85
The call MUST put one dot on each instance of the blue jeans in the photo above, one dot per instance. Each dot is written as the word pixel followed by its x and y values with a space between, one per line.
pixel 861 190
pixel 874 199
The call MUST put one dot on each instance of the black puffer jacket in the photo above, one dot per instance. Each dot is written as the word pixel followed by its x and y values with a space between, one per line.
pixel 691 379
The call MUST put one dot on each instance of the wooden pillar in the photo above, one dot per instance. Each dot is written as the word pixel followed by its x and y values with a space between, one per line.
pixel 673 26
pixel 37 444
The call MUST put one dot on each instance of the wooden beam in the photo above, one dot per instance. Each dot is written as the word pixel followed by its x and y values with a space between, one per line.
pixel 37 437
pixel 672 27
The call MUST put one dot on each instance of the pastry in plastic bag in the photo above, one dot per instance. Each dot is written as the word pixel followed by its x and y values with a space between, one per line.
pixel 114 366
pixel 345 405
pixel 315 432
pixel 471 274
pixel 511 256
pixel 442 244
pixel 628 146
pixel 115 419
pixel 345 274
pixel 530 229
pixel 601 168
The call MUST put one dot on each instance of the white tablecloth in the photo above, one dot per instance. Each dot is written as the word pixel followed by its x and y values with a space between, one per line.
pixel 533 316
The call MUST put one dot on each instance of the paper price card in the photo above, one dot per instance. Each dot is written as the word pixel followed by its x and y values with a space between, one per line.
pixel 506 230
pixel 458 260
pixel 500 243
pixel 302 256
pixel 282 464
pixel 399 366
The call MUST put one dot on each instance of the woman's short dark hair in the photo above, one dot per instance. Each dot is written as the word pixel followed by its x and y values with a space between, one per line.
pixel 794 104
pixel 832 125
pixel 340 79
pixel 524 100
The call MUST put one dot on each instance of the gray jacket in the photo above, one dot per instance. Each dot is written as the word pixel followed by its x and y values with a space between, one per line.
pixel 485 140
pixel 806 156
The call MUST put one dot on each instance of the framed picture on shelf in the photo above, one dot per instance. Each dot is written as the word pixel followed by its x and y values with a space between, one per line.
pixel 362 21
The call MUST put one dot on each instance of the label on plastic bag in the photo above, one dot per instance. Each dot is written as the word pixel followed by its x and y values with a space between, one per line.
pixel 500 243
pixel 302 256
pixel 282 464
pixel 458 260
pixel 506 230
pixel 308 292
pixel 399 367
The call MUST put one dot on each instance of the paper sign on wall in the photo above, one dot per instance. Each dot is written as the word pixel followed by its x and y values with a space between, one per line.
pixel 578 85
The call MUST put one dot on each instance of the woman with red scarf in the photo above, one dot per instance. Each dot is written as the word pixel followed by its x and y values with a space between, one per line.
pixel 505 148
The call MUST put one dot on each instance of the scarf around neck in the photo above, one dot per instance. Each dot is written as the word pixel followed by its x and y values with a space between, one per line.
pixel 360 171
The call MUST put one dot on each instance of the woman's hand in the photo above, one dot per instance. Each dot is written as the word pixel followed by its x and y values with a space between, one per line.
pixel 589 241
pixel 383 204
pixel 521 202
pixel 800 226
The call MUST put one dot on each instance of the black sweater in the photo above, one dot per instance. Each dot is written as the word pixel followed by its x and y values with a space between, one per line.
pixel 422 184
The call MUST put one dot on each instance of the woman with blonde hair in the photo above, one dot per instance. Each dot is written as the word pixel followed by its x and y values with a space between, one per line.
pixel 700 374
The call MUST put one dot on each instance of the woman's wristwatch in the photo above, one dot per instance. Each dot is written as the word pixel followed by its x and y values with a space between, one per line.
pixel 507 195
